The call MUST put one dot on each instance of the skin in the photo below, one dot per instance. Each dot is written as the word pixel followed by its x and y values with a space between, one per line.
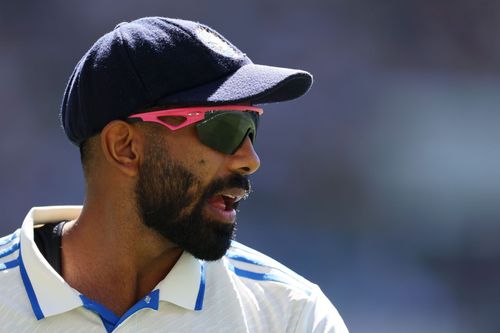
pixel 108 254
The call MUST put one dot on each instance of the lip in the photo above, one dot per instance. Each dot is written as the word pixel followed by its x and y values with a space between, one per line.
pixel 222 215
pixel 218 211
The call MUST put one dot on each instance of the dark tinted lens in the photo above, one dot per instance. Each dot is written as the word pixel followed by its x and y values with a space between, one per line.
pixel 225 130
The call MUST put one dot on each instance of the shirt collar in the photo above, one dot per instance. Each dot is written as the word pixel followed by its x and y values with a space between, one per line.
pixel 45 283
pixel 49 294
pixel 184 285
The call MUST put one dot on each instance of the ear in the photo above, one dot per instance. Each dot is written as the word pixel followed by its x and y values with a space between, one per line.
pixel 121 145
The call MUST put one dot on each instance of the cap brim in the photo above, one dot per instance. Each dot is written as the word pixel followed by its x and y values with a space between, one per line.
pixel 253 83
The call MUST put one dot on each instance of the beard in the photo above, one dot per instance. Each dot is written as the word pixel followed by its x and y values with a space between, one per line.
pixel 170 200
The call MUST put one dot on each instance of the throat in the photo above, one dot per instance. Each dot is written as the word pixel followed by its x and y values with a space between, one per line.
pixel 114 290
pixel 104 259
pixel 115 284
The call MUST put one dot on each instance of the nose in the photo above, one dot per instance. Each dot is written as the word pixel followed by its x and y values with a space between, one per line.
pixel 245 160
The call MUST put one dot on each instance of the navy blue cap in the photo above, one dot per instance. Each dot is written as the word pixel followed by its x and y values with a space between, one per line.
pixel 157 61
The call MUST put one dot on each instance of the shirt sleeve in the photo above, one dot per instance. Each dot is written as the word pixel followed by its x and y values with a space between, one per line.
pixel 319 316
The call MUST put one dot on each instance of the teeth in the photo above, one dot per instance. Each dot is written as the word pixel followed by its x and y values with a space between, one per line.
pixel 234 197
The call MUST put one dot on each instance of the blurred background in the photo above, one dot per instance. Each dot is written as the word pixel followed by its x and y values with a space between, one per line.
pixel 382 184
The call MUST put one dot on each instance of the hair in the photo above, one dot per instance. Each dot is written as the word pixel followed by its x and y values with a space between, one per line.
pixel 87 153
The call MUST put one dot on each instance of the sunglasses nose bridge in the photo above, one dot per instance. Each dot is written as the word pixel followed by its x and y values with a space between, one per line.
pixel 250 134
pixel 244 159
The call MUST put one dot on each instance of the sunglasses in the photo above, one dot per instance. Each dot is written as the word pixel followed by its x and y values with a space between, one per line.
pixel 223 128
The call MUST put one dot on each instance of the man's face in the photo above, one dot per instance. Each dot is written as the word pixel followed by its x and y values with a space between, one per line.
pixel 189 195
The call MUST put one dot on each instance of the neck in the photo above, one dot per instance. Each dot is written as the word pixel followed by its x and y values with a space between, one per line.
pixel 111 257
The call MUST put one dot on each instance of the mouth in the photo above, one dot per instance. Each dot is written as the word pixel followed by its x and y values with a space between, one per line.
pixel 228 200
pixel 225 203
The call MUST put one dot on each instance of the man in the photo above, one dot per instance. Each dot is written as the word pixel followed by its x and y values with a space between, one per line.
pixel 163 112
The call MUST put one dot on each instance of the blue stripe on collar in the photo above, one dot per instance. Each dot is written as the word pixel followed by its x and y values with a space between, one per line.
pixel 9 264
pixel 201 290
pixel 9 250
pixel 110 320
pixel 9 238
pixel 29 290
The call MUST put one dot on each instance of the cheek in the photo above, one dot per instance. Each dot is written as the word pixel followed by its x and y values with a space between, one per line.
pixel 205 166
pixel 205 163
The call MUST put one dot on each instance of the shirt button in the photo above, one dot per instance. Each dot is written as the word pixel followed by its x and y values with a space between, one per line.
pixel 147 299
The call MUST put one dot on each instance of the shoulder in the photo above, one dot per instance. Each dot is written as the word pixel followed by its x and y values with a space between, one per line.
pixel 278 294
pixel 255 266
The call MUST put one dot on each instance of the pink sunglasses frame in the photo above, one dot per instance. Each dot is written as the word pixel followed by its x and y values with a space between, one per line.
pixel 192 114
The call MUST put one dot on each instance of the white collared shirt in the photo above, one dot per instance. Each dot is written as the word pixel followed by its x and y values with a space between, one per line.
pixel 245 291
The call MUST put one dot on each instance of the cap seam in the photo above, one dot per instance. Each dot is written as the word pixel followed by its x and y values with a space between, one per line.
pixel 129 58
pixel 75 80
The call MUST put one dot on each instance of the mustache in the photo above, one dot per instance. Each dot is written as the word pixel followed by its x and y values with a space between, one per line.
pixel 233 181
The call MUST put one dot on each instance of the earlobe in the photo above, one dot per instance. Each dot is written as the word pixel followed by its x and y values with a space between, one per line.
pixel 120 146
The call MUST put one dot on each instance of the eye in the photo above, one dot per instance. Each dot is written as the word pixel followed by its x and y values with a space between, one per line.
pixel 173 120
